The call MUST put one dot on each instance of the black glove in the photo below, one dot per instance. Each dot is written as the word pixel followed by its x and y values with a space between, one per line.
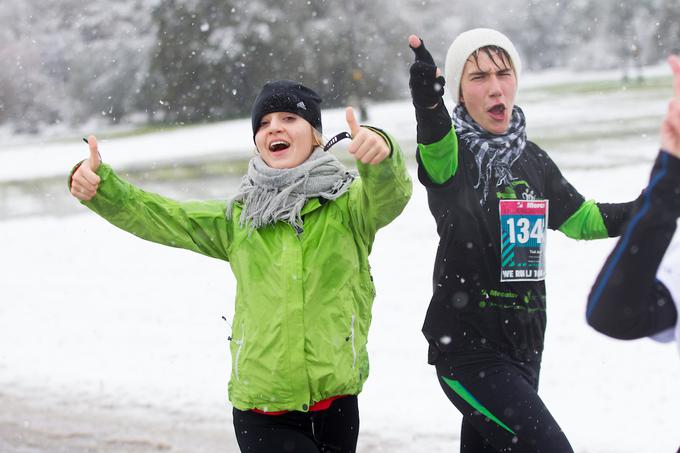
pixel 426 88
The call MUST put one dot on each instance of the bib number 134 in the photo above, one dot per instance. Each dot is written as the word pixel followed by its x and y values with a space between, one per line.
pixel 523 238
pixel 522 230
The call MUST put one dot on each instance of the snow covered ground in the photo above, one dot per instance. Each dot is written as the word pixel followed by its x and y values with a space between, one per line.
pixel 112 344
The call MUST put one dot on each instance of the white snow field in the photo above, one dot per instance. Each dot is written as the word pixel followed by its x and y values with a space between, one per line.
pixel 112 344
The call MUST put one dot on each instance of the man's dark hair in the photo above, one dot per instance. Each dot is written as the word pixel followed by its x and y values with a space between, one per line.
pixel 498 56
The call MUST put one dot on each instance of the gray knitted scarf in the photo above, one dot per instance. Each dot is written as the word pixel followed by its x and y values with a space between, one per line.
pixel 271 194
pixel 494 154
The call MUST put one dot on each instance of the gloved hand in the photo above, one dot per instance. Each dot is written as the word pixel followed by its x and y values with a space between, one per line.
pixel 427 81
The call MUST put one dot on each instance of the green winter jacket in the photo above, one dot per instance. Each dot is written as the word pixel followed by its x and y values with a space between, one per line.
pixel 303 303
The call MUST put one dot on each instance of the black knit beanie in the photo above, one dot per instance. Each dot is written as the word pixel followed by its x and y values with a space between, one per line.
pixel 287 96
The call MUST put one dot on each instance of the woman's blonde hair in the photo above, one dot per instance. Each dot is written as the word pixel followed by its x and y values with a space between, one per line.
pixel 318 138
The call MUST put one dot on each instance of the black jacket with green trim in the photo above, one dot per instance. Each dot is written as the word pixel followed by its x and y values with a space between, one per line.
pixel 470 307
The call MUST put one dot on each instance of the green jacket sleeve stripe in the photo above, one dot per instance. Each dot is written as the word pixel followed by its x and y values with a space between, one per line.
pixel 585 223
pixel 440 159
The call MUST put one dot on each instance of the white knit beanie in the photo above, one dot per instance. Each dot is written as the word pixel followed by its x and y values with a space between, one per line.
pixel 465 44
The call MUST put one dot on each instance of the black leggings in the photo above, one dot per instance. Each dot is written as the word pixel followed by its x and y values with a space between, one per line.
pixel 334 430
pixel 498 398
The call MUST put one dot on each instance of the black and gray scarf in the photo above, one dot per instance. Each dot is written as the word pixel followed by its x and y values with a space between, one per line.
pixel 494 154
pixel 271 194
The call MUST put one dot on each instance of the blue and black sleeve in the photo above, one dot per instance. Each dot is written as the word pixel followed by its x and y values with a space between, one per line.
pixel 627 301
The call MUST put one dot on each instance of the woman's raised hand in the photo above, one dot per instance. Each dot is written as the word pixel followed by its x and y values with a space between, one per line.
pixel 85 182
pixel 367 146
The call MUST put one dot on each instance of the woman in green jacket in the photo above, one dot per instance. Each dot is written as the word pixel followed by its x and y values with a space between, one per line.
pixel 297 236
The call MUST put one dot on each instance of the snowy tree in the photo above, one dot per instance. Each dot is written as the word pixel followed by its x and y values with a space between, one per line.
pixel 70 60
pixel 29 95
pixel 109 63
pixel 667 39
pixel 181 61
pixel 211 58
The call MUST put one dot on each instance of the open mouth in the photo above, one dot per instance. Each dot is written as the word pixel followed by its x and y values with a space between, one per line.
pixel 278 145
pixel 497 110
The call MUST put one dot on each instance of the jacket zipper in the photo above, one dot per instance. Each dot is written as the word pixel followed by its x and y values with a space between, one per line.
pixel 354 350
pixel 238 351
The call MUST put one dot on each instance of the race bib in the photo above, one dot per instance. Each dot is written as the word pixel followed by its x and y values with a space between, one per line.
pixel 523 233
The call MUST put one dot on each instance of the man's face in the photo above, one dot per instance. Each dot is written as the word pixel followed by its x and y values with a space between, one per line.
pixel 488 91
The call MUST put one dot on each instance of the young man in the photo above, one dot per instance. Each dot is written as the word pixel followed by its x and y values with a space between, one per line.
pixel 493 194
pixel 637 293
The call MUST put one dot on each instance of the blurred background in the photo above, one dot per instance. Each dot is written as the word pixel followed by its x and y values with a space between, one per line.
pixel 148 63
pixel 111 344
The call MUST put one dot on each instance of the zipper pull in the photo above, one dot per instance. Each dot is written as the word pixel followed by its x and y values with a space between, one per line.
pixel 225 320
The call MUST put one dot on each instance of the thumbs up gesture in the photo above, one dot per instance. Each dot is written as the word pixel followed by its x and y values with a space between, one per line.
pixel 426 82
pixel 85 182
pixel 367 146
pixel 670 128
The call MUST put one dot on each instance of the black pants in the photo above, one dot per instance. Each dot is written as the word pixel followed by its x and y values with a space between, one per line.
pixel 498 397
pixel 335 430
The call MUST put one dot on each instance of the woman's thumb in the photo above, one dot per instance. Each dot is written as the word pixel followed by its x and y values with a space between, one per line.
pixel 95 158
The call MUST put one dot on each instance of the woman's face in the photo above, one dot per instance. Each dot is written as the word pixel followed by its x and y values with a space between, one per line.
pixel 284 140
pixel 488 91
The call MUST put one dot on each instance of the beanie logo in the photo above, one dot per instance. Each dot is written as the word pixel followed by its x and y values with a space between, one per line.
pixel 301 105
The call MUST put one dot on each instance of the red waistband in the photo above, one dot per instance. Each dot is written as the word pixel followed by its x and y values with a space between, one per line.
pixel 320 406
